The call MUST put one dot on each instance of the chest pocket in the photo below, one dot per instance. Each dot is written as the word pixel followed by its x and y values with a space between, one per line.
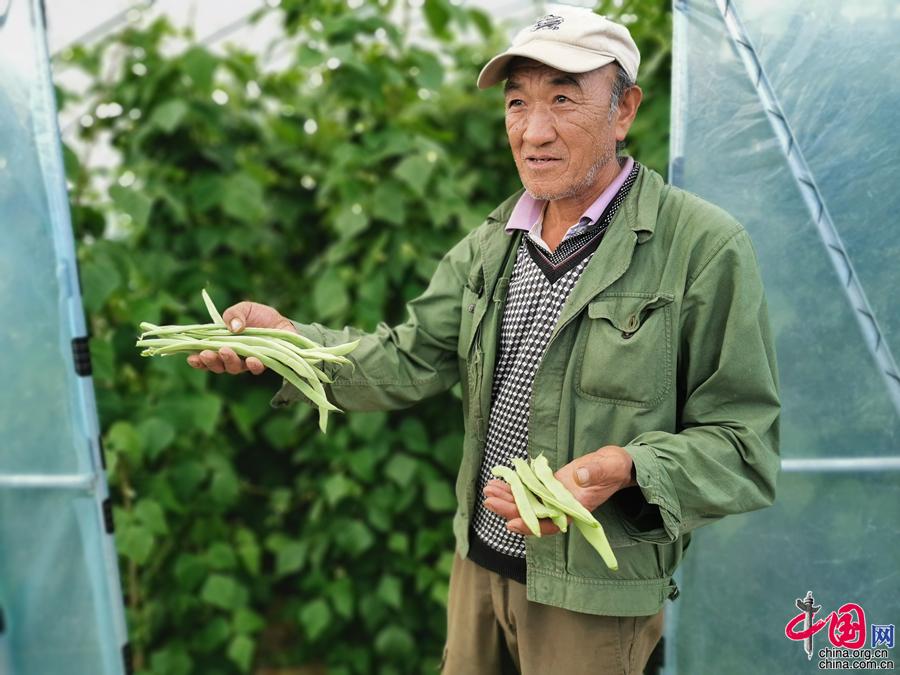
pixel 625 349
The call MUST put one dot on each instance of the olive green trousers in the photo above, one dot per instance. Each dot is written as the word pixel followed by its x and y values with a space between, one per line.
pixel 492 629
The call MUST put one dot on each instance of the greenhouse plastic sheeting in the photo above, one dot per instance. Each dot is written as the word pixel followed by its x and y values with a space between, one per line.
pixel 784 113
pixel 60 598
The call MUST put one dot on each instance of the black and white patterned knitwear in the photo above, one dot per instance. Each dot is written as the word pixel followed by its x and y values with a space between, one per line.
pixel 540 284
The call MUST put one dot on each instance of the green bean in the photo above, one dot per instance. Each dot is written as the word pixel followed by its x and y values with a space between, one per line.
pixel 520 494
pixel 291 355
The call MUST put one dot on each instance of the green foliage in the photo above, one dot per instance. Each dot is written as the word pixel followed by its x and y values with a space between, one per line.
pixel 328 188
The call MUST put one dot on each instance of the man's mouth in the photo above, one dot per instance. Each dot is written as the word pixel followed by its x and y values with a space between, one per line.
pixel 536 161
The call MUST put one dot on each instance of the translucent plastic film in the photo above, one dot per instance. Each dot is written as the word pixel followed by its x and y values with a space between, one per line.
pixel 60 598
pixel 784 114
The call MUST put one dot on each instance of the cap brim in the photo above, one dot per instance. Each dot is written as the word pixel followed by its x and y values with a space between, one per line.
pixel 567 58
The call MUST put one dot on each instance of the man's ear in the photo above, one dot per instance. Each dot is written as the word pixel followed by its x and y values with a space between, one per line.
pixel 628 107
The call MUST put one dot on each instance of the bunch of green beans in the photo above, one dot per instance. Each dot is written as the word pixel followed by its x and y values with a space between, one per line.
pixel 540 494
pixel 289 354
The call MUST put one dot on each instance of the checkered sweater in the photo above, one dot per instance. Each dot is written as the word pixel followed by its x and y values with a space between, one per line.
pixel 540 283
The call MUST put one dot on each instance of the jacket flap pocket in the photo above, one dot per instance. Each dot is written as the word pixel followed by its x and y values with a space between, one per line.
pixel 627 312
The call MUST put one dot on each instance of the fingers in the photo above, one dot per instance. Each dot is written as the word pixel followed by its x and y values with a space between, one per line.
pixel 502 508
pixel 233 363
pixel 225 360
pixel 254 365
pixel 194 361
pixel 518 525
pixel 499 489
pixel 212 361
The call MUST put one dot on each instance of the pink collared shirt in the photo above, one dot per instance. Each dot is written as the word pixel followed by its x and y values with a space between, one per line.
pixel 528 213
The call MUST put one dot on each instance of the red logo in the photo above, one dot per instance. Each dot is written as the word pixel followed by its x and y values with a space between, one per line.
pixel 846 626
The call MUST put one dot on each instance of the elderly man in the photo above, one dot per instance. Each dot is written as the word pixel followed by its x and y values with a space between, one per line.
pixel 612 322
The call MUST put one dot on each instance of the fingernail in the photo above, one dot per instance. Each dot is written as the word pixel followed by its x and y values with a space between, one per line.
pixel 582 475
pixel 235 324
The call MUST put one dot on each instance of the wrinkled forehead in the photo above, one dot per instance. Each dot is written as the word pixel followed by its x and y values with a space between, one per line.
pixel 522 67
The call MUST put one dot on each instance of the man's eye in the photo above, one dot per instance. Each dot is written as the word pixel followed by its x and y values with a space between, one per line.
pixel 559 98
pixel 514 103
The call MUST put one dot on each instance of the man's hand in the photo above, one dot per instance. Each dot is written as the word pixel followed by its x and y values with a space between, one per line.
pixel 592 479
pixel 236 317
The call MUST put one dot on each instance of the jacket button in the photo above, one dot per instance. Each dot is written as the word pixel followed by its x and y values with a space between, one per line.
pixel 471 308
pixel 626 335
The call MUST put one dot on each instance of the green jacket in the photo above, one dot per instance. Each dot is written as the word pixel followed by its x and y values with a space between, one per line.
pixel 663 347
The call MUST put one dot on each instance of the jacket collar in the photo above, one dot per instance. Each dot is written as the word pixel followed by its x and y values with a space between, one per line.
pixel 636 215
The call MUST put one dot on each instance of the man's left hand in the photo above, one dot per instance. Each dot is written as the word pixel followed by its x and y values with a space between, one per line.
pixel 592 479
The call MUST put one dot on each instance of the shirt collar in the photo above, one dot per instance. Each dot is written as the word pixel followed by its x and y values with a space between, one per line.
pixel 528 210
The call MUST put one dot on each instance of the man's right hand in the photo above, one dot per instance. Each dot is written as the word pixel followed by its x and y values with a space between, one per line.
pixel 236 317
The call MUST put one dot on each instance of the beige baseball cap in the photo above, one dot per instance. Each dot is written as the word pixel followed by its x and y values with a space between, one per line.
pixel 571 39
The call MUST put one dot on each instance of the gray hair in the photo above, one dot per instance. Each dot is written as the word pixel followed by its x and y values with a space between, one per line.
pixel 621 84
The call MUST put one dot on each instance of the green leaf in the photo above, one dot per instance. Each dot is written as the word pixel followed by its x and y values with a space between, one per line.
pixel 368 425
pixel 354 537
pixel 248 550
pixel 401 469
pixel 220 556
pixel 394 641
pixel 169 115
pixel 437 14
pixel 247 621
pixel 338 486
pixel 207 408
pixel 389 203
pixel 330 296
pixel 99 279
pixel 307 57
pixel 398 542
pixel 431 72
pixel 291 557
pixel 213 635
pixel 224 592
pixel 135 542
pixel 189 571
pixel 342 596
pixel 413 435
pixel 103 362
pixel 439 496
pixel 241 652
pixel 243 198
pixel 281 432
pixel 415 171
pixel 224 488
pixel 134 203
pixel 200 65
pixel 171 661
pixel 315 617
pixel 157 435
pixel 206 190
pixel 123 437
pixel 151 514
pixel 350 221
pixel 390 591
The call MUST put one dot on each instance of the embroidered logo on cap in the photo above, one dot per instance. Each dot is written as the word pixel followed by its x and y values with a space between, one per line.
pixel 551 22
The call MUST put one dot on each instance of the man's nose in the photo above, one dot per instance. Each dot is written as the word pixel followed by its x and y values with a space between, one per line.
pixel 539 128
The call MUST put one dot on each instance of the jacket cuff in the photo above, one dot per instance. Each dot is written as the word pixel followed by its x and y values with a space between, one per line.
pixel 288 394
pixel 649 510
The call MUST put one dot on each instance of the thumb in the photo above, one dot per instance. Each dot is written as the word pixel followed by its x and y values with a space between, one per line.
pixel 589 474
pixel 235 317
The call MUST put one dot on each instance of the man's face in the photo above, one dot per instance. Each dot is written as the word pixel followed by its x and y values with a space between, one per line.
pixel 559 127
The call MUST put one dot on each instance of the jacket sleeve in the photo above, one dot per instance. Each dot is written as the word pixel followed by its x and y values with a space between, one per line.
pixel 394 367
pixel 725 457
